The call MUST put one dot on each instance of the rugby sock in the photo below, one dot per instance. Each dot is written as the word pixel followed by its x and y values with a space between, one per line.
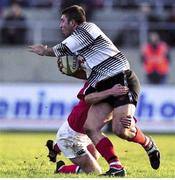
pixel 74 169
pixel 148 143
pixel 116 165
pixel 106 149
pixel 141 139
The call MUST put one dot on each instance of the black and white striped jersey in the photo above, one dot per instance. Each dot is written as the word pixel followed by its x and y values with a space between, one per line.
pixel 102 58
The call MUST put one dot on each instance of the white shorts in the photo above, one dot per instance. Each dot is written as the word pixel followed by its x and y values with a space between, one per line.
pixel 72 143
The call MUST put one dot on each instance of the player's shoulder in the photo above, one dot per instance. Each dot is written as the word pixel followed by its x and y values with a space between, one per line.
pixel 91 28
pixel 88 25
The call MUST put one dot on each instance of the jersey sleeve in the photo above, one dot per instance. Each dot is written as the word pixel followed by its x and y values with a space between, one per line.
pixel 82 37
pixel 78 41
pixel 61 50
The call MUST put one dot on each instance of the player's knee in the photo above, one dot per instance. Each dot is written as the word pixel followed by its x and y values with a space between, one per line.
pixel 129 133
pixel 125 133
pixel 126 129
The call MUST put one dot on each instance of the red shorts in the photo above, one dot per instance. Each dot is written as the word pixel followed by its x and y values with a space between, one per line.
pixel 78 114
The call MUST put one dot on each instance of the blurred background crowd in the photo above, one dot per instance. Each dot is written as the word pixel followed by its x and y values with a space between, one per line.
pixel 143 29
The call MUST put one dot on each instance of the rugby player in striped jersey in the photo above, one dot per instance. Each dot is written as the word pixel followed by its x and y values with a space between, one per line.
pixel 105 65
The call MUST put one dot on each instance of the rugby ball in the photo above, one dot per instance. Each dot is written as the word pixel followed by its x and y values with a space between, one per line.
pixel 69 64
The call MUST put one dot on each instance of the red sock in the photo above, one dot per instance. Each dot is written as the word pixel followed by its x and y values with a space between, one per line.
pixel 106 149
pixel 74 169
pixel 116 165
pixel 140 138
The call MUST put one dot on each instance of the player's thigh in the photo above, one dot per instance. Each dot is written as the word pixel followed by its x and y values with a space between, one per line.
pixel 72 143
pixel 121 112
pixel 98 115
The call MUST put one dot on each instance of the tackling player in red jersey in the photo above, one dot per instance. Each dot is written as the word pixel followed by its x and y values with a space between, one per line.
pixel 71 139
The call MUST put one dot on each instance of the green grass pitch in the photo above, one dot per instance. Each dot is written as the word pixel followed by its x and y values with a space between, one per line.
pixel 24 155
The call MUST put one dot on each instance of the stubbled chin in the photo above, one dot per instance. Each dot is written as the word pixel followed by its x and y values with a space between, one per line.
pixel 66 34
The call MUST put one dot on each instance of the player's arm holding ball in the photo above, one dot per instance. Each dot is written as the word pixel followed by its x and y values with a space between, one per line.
pixel 70 65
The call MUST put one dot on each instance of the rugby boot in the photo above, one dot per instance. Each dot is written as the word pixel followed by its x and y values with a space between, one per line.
pixel 52 154
pixel 115 172
pixel 59 164
pixel 154 154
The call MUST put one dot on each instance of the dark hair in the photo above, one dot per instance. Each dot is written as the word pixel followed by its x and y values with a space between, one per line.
pixel 76 13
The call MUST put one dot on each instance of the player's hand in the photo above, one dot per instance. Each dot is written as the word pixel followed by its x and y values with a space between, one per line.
pixel 118 90
pixel 81 60
pixel 38 49
pixel 126 121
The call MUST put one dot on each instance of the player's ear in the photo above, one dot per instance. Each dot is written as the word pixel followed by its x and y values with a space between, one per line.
pixel 72 22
